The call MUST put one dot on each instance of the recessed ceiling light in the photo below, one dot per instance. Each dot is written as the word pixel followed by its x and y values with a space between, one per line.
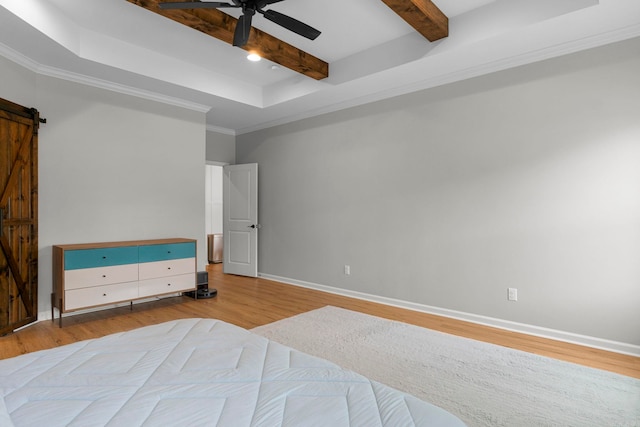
pixel 253 57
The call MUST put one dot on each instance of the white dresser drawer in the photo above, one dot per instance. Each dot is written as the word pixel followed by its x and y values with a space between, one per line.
pixel 87 277
pixel 98 295
pixel 173 267
pixel 164 285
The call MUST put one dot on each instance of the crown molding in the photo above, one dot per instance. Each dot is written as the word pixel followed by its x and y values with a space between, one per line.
pixel 452 77
pixel 496 65
pixel 58 73
pixel 18 58
pixel 219 129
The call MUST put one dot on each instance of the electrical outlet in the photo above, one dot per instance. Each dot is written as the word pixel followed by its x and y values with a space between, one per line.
pixel 512 294
pixel 347 270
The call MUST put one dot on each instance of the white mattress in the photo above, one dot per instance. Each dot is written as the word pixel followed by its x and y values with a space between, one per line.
pixel 197 372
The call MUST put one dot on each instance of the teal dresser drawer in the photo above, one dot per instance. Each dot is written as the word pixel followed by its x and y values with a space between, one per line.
pixel 100 257
pixel 165 252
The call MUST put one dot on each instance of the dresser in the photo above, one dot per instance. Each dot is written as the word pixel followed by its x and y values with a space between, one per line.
pixel 95 274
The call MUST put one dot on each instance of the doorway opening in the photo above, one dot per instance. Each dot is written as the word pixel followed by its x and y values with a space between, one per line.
pixel 214 212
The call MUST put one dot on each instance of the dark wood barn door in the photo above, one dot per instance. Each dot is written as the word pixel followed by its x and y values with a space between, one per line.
pixel 18 216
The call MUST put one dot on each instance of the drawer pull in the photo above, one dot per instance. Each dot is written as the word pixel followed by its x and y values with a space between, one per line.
pixel 104 257
pixel 168 284
pixel 168 268
pixel 104 295
pixel 104 275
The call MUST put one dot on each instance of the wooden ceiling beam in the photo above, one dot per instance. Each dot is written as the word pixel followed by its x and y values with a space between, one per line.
pixel 222 26
pixel 423 16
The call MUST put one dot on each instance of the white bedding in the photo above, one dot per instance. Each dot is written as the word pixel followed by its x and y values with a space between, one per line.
pixel 197 372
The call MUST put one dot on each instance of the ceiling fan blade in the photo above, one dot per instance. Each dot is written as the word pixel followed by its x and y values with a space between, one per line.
pixel 291 24
pixel 194 5
pixel 243 28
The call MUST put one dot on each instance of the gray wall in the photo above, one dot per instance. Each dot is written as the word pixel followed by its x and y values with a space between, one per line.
pixel 528 178
pixel 221 147
pixel 111 167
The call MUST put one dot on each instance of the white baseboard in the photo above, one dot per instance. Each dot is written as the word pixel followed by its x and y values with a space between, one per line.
pixel 569 337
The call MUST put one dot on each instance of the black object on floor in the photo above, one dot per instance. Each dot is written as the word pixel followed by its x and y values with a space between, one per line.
pixel 203 290
pixel 202 293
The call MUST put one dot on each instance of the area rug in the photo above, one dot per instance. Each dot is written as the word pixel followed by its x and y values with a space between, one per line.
pixel 483 384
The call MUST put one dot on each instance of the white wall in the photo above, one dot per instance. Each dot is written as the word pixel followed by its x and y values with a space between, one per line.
pixel 528 178
pixel 221 147
pixel 111 167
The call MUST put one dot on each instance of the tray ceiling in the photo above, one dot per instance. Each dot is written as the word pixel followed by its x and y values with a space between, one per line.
pixel 372 52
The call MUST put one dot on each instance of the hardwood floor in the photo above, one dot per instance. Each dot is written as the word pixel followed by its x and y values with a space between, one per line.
pixel 249 302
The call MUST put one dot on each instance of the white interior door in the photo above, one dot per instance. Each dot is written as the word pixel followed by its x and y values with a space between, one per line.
pixel 240 219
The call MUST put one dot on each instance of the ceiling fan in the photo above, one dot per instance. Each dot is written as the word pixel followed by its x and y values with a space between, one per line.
pixel 249 8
